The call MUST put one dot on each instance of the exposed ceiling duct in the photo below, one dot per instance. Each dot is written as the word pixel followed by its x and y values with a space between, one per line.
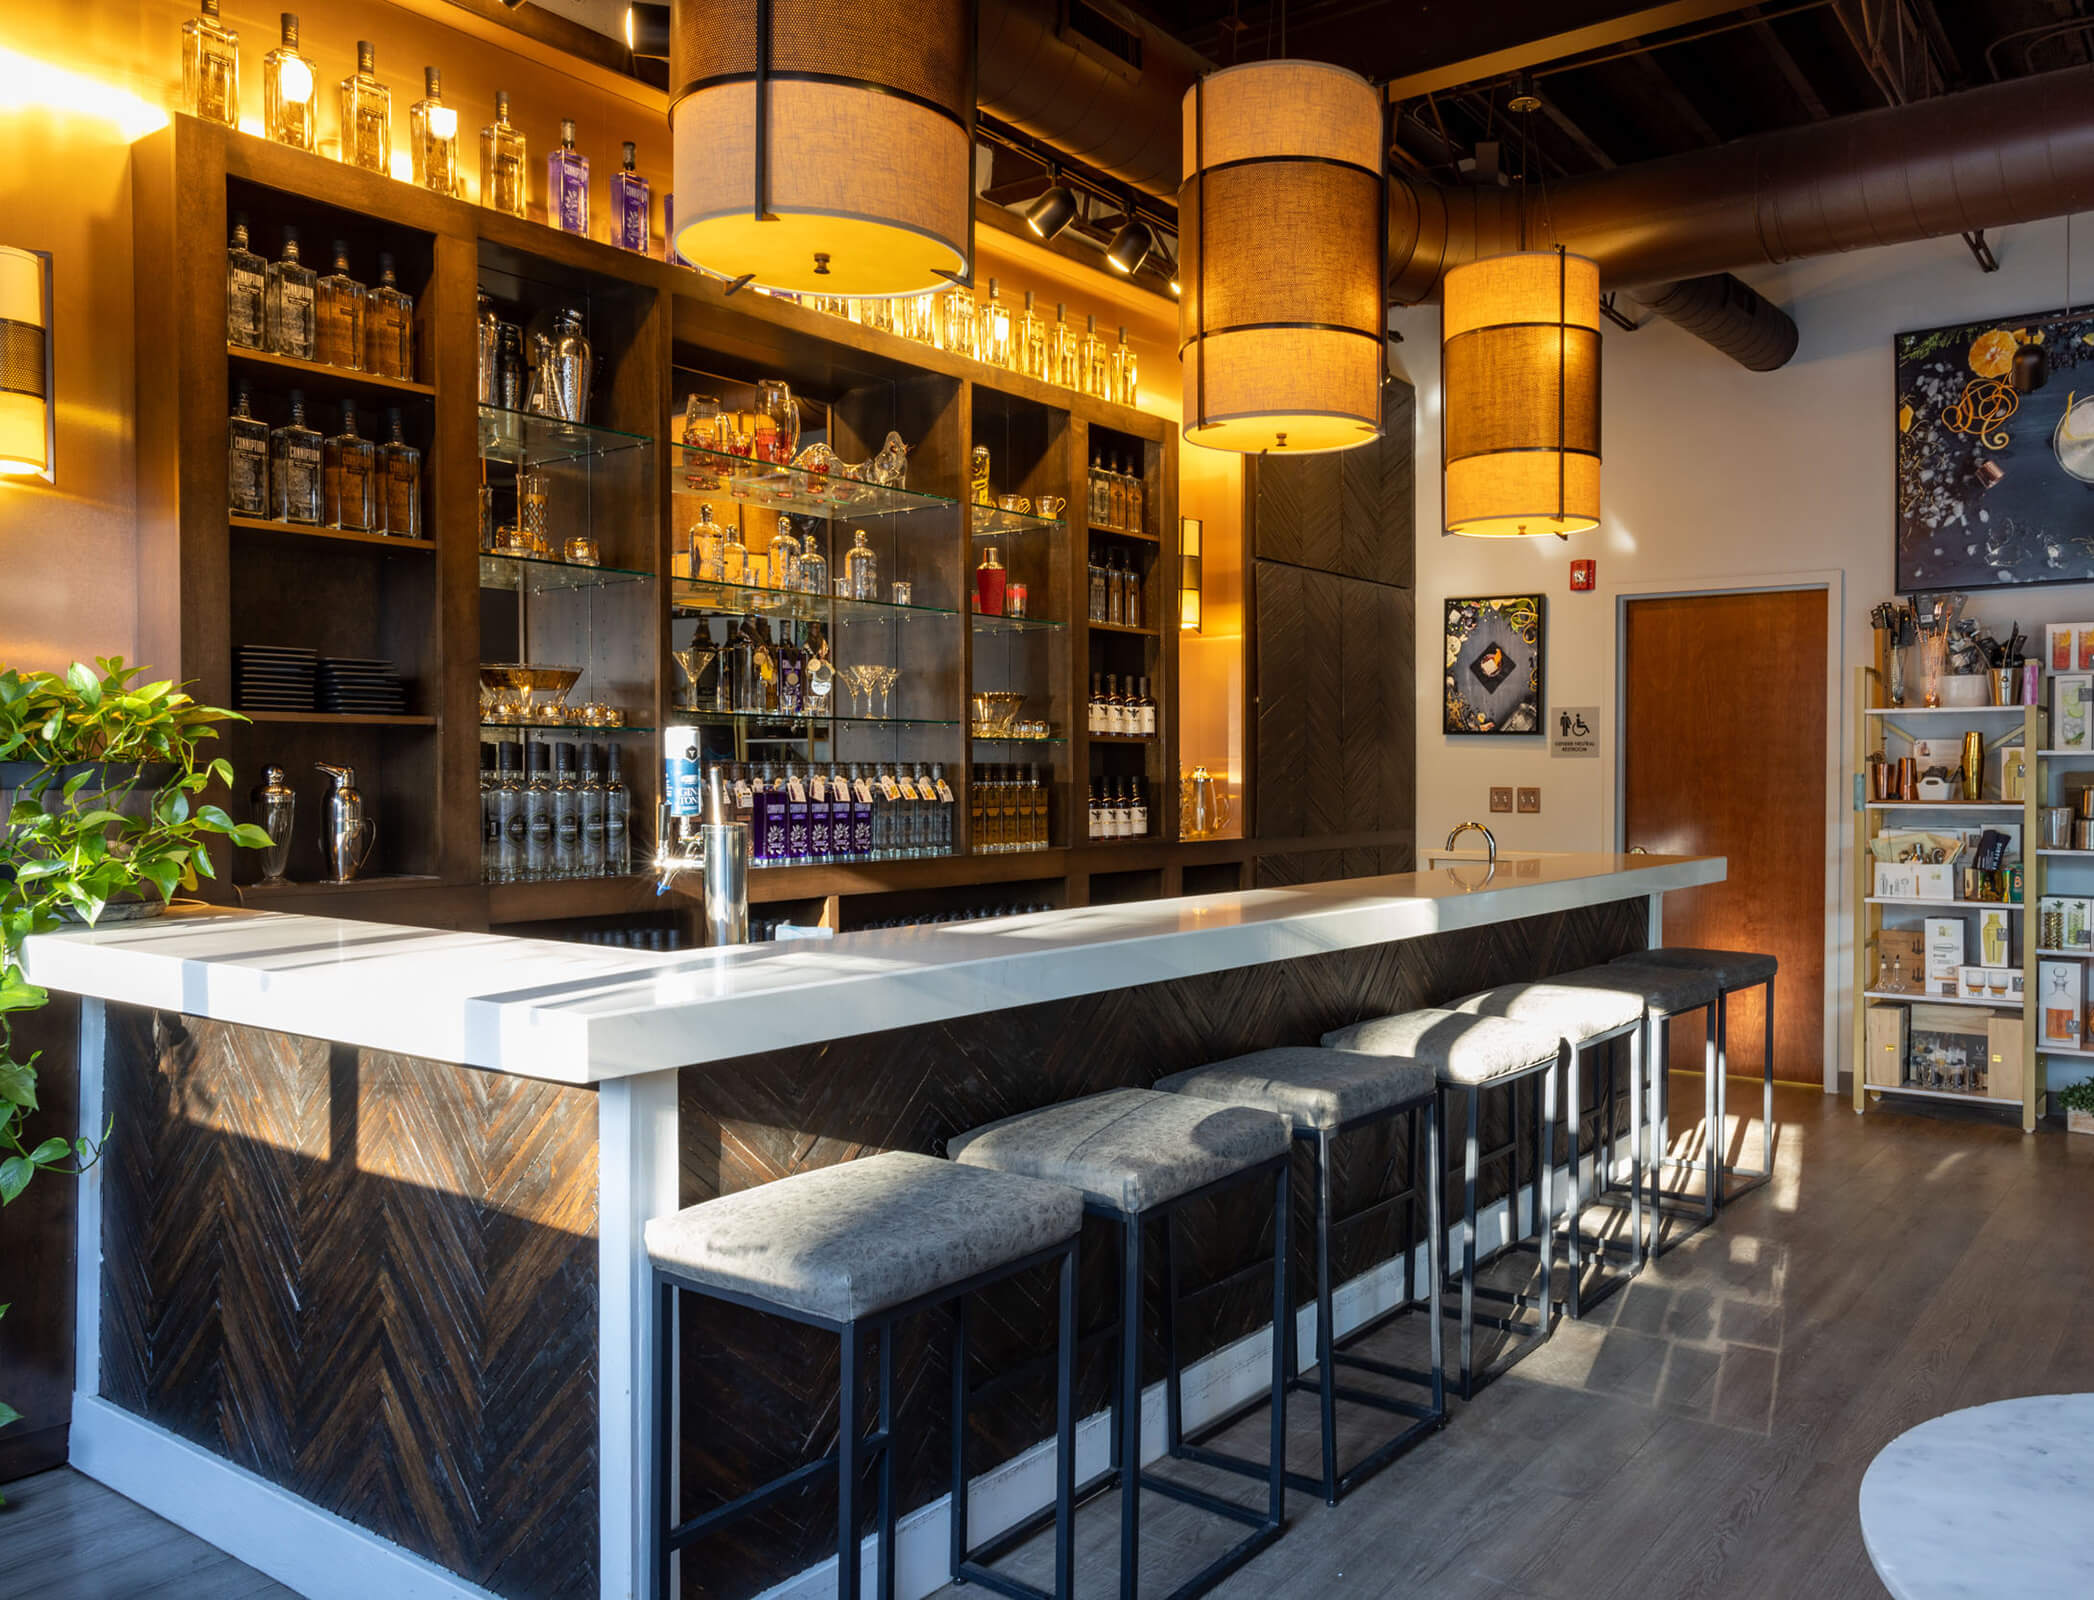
pixel 1728 314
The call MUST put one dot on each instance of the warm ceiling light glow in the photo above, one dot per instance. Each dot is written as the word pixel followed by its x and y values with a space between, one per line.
pixel 1052 212
pixel 1281 317
pixel 32 87
pixel 1130 247
pixel 834 162
pixel 1520 386
pixel 1190 531
pixel 27 442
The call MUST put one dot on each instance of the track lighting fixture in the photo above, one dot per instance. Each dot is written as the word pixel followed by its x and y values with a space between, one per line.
pixel 1054 210
pixel 1130 246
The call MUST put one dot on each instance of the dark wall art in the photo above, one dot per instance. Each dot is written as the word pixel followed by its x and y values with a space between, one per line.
pixel 1493 678
pixel 1995 453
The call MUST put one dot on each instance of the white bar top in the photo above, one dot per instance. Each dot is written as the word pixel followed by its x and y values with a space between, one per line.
pixel 580 1013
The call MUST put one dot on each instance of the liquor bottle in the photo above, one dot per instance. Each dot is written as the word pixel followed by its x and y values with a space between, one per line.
pixel 629 206
pixel 1029 342
pixel 1130 594
pixel 1116 492
pixel 990 579
pixel 246 460
pixel 432 134
pixel 957 325
pixel 288 113
pixel 1123 371
pixel 389 326
pixel 400 480
pixel 338 315
pixel 617 817
pixel 537 808
pixel 367 115
pixel 1147 702
pixel 821 838
pixel 861 568
pixel 211 68
pixel 505 180
pixel 589 810
pixel 1094 708
pixel 1113 595
pixel 1061 349
pixel 792 675
pixel 567 185
pixel 349 478
pixel 567 814
pixel 1096 609
pixel 1138 814
pixel 294 468
pixel 290 308
pixel 977 792
pixel 799 821
pixel 734 555
pixel 1096 501
pixel 490 820
pixel 1094 361
pixel 1094 826
pixel 993 342
pixel 1137 497
pixel 861 816
pixel 941 837
pixel 773 805
pixel 246 292
pixel 814 566
pixel 508 805
pixel 708 542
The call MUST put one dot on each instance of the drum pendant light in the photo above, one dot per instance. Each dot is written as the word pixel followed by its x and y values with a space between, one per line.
pixel 1520 392
pixel 824 146
pixel 1281 319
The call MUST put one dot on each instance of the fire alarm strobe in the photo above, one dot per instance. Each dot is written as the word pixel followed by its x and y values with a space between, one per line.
pixel 1584 575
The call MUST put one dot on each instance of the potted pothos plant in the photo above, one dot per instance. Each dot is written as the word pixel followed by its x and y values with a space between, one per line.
pixel 103 780
pixel 2077 1099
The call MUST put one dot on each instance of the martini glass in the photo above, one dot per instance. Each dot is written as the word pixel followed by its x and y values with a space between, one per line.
pixel 883 680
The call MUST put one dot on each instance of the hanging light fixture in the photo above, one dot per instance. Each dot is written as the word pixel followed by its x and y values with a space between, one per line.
pixel 1281 317
pixel 1190 531
pixel 813 153
pixel 28 434
pixel 1054 210
pixel 1130 247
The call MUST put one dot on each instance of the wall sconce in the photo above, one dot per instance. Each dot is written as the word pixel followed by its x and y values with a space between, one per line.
pixel 1189 532
pixel 28 433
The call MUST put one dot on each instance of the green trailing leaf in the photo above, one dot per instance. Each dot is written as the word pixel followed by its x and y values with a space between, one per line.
pixel 18 1085
pixel 15 1173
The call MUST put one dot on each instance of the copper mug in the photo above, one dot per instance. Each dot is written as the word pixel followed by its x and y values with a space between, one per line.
pixel 1906 784
pixel 1880 773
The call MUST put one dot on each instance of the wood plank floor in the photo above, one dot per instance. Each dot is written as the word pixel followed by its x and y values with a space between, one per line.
pixel 1703 1434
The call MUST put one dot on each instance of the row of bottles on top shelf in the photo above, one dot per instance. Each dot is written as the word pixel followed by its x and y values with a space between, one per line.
pixel 1118 497
pixel 545 816
pixel 1119 809
pixel 1115 590
pixel 799 814
pixel 285 308
pixel 1124 715
pixel 346 481
pixel 1007 808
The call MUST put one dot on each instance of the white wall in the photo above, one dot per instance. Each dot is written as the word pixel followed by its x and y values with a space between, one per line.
pixel 1716 477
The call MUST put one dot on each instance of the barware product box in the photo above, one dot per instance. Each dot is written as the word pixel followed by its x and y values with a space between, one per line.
pixel 2060 1012
pixel 1944 953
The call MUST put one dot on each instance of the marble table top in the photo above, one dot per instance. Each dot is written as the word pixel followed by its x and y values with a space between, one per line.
pixel 1995 1500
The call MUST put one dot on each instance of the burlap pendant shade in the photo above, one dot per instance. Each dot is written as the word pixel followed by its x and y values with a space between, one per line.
pixel 824 147
pixel 1281 320
pixel 26 433
pixel 1520 395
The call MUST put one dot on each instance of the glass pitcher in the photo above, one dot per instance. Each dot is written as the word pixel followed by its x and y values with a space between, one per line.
pixel 1203 808
pixel 777 422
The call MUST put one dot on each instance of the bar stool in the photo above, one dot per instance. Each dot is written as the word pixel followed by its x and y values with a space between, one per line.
pixel 1322 1094
pixel 1137 1155
pixel 853 1249
pixel 1473 1053
pixel 1734 971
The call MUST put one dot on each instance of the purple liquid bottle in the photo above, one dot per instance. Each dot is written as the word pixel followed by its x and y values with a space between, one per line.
pixel 567 185
pixel 629 207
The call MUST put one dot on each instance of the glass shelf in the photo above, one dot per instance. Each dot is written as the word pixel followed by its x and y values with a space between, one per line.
pixel 993 522
pixel 741 481
pixel 984 623
pixel 690 596
pixel 527 438
pixel 578 729
pixel 543 575
pixel 1008 738
pixel 722 719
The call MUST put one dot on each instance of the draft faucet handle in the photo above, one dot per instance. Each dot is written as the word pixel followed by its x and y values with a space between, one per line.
pixel 1490 840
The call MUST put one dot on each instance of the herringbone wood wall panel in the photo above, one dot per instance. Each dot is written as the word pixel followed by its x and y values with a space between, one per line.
pixel 367 1277
pixel 759 1393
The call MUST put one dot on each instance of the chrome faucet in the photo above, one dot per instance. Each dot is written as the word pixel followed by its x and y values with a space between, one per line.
pixel 1490 842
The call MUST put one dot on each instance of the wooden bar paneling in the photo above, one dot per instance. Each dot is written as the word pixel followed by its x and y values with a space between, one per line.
pixel 369 1278
pixel 765 1389
pixel 36 1266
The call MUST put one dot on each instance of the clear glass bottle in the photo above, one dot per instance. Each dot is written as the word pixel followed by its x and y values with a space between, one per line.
pixel 957 325
pixel 289 114
pixel 994 342
pixel 490 815
pixel 1137 497
pixel 505 179
pixel 246 292
pixel 432 135
pixel 734 556
pixel 861 568
pixel 338 315
pixel 567 185
pixel 290 310
pixel 211 68
pixel 1096 611
pixel 537 809
pixel 1115 592
pixel 246 460
pixel 589 807
pixel 1029 342
pixel 1138 810
pixel 1131 594
pixel 1094 361
pixel 708 540
pixel 349 478
pixel 567 814
pixel 389 326
pixel 294 468
pixel 617 816
pixel 400 477
pixel 814 566
pixel 1116 498
pixel 629 206
pixel 1123 371
pixel 509 810
pixel 1094 708
pixel 367 115
pixel 1061 350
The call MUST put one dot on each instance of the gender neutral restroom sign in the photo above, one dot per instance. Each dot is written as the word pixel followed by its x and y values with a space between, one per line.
pixel 1574 731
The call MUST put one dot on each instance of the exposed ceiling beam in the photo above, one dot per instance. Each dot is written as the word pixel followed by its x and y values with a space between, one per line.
pixel 1660 83
pixel 1575 41
pixel 1784 63
pixel 1570 130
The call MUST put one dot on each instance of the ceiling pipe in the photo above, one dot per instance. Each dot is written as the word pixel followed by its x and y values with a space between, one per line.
pixel 1729 315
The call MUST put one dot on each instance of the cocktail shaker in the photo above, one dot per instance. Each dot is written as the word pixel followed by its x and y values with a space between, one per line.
pixel 275 807
pixel 567 384
pixel 490 342
pixel 1973 766
pixel 726 846
pixel 346 834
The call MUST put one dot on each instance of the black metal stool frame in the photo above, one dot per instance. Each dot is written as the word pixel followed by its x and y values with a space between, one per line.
pixel 854 1448
pixel 1331 1351
pixel 1700 1210
pixel 1745 1179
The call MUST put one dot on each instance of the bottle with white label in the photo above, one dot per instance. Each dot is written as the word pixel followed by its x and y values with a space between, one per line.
pixel 1138 813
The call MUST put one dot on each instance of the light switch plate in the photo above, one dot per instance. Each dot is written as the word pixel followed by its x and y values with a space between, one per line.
pixel 1501 799
pixel 1530 800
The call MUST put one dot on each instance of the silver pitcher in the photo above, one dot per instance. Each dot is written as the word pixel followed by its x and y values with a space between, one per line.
pixel 572 366
pixel 346 834
pixel 725 844
pixel 275 805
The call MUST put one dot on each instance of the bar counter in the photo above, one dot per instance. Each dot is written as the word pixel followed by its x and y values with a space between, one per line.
pixel 366 1245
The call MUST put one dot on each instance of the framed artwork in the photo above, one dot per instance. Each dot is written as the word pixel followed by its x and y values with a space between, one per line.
pixel 1995 453
pixel 1494 652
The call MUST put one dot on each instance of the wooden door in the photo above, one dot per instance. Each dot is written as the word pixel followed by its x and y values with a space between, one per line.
pixel 1723 754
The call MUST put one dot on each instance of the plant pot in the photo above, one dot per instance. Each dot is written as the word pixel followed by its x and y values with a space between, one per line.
pixel 2079 1122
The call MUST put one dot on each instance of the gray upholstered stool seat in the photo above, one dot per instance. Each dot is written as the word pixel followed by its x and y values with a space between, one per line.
pixel 1127 1150
pixel 1577 1006
pixel 846 1241
pixel 1313 1089
pixel 1732 969
pixel 1666 990
pixel 1460 1047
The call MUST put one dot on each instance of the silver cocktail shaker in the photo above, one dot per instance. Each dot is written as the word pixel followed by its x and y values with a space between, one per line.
pixel 275 808
pixel 346 834
pixel 490 343
pixel 567 385
pixel 726 846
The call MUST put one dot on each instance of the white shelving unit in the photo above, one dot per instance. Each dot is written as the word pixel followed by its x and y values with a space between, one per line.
pixel 2076 868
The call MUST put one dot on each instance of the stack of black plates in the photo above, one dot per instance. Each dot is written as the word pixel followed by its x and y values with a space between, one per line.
pixel 361 688
pixel 273 677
